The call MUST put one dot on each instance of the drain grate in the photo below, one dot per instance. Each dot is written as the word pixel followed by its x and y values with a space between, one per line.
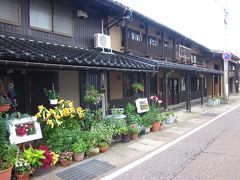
pixel 86 171
pixel 210 114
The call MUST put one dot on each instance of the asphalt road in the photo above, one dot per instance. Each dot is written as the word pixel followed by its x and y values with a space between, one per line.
pixel 211 153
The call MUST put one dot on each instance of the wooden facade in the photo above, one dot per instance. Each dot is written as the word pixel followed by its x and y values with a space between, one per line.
pixel 150 40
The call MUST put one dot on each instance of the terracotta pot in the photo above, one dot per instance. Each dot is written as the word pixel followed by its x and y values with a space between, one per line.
pixel 23 177
pixel 78 156
pixel 103 149
pixel 126 138
pixel 155 126
pixel 134 136
pixel 4 107
pixel 66 163
pixel 6 174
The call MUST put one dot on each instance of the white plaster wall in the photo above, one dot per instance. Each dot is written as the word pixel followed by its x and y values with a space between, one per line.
pixel 69 86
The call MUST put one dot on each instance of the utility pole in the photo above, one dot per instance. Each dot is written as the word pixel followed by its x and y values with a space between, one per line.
pixel 225 62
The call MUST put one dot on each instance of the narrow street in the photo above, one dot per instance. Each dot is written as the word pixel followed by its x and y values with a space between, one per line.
pixel 210 153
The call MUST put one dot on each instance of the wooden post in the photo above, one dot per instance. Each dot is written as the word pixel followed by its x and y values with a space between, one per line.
pixel 126 38
pixel 213 84
pixel 146 35
pixel 188 92
pixel 165 89
pixel 162 44
pixel 147 85
pixel 202 89
pixel 174 47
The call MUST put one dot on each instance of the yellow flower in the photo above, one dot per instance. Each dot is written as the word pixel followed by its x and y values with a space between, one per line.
pixel 50 123
pixel 80 112
pixel 52 111
pixel 70 103
pixel 57 117
pixel 54 157
pixel 38 115
pixel 59 122
pixel 48 115
pixel 61 101
pixel 40 108
pixel 66 112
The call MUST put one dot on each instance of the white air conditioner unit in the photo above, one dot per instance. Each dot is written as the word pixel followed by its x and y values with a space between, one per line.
pixel 82 14
pixel 102 41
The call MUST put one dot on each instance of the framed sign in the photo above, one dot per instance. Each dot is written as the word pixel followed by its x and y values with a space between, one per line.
pixel 142 105
pixel 24 130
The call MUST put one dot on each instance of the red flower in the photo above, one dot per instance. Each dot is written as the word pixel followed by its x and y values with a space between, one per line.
pixel 21 131
pixel 48 156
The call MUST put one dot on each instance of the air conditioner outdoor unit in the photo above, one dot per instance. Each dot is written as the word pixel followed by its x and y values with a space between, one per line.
pixel 102 41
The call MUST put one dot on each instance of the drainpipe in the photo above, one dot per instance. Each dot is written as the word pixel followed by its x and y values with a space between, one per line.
pixel 102 25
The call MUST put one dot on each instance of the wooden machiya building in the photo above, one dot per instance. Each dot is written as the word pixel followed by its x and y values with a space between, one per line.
pixel 49 42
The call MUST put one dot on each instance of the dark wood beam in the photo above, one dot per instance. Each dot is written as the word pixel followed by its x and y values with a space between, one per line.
pixel 162 42
pixel 165 89
pixel 188 92
pixel 174 47
pixel 213 89
pixel 202 89
pixel 146 35
pixel 126 38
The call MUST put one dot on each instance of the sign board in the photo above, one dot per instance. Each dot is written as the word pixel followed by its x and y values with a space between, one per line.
pixel 226 56
pixel 142 105
pixel 24 130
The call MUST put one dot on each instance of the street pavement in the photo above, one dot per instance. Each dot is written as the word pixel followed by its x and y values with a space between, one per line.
pixel 199 156
pixel 211 153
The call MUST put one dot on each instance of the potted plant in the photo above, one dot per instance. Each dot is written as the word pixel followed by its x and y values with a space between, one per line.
pixel 135 130
pixel 79 148
pixel 170 117
pixel 22 169
pixel 147 122
pixel 52 95
pixel 103 147
pixel 138 87
pixel 4 104
pixel 66 158
pixel 126 136
pixel 7 159
pixel 92 95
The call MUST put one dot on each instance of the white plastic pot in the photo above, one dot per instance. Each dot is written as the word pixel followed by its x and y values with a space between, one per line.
pixel 53 101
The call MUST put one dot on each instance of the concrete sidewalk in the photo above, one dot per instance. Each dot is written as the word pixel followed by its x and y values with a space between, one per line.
pixel 122 154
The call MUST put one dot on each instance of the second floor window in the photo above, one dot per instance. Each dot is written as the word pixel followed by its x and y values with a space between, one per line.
pixel 152 41
pixel 9 11
pixel 55 18
pixel 134 35
pixel 194 58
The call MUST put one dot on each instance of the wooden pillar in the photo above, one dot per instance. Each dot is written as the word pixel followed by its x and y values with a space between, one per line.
pixel 162 44
pixel 188 92
pixel 148 86
pixel 213 84
pixel 202 89
pixel 126 38
pixel 219 85
pixel 165 89
pixel 174 47
pixel 146 35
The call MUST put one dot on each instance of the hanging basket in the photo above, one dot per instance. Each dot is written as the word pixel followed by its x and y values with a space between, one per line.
pixel 53 101
pixel 4 107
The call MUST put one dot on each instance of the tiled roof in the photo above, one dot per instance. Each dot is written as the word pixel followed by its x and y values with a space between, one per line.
pixel 32 51
pixel 26 51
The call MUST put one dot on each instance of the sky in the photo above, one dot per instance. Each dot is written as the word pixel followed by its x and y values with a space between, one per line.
pixel 199 20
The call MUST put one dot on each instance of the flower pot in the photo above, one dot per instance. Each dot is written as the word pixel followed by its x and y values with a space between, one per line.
pixel 78 156
pixel 23 177
pixel 126 138
pixel 103 149
pixel 147 130
pixel 53 101
pixel 66 163
pixel 117 138
pixel 155 126
pixel 134 136
pixel 93 152
pixel 4 107
pixel 6 174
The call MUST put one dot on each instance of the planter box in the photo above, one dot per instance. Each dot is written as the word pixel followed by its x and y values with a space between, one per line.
pixel 170 119
pixel 212 102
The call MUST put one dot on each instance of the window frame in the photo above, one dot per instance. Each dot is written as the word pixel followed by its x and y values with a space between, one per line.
pixel 18 23
pixel 52 31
